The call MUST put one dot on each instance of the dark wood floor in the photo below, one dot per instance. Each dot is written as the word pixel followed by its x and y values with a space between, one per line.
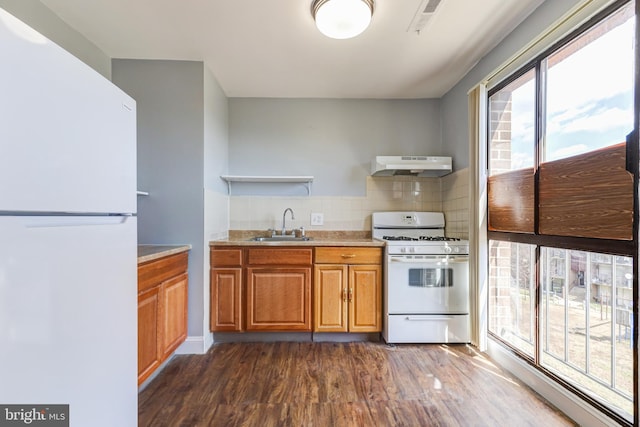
pixel 340 384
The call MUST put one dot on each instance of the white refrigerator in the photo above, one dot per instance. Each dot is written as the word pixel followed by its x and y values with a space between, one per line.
pixel 68 254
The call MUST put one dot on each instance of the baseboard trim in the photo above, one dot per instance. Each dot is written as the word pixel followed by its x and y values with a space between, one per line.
pixel 196 344
pixel 223 337
pixel 155 373
pixel 201 344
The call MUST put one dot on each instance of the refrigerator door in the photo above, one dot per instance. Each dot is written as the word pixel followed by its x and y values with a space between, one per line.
pixel 68 316
pixel 67 134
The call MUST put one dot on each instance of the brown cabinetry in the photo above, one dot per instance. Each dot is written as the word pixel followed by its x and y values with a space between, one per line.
pixel 348 289
pixel 279 298
pixel 148 332
pixel 175 293
pixel 260 289
pixel 279 289
pixel 162 310
pixel 226 290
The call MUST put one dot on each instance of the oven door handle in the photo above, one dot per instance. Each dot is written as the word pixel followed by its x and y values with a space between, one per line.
pixel 422 259
pixel 427 318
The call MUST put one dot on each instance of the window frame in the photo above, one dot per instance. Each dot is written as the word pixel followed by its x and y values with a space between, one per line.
pixel 609 246
pixel 627 248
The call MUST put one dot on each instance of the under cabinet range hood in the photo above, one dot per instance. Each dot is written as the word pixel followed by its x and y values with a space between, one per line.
pixel 423 166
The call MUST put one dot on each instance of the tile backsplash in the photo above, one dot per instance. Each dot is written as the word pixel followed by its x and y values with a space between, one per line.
pixel 449 194
pixel 455 203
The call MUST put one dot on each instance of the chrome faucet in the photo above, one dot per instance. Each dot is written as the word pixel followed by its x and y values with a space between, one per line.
pixel 284 229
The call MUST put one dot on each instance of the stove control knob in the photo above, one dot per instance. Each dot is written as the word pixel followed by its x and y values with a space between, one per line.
pixel 403 250
pixel 412 249
pixel 447 249
pixel 456 249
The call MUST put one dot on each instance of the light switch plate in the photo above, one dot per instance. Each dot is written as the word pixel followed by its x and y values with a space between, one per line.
pixel 317 218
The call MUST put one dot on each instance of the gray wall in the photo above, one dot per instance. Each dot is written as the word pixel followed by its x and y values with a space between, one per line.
pixel 454 103
pixel 170 102
pixel 42 19
pixel 216 200
pixel 332 139
pixel 216 134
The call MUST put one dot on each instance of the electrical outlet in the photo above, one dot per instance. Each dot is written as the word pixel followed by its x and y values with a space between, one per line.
pixel 317 219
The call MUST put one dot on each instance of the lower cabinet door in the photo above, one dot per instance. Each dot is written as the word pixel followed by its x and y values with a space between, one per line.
pixel 365 296
pixel 226 299
pixel 148 332
pixel 279 299
pixel 174 312
pixel 330 298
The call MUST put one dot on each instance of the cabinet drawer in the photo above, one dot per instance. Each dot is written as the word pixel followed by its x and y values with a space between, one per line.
pixel 225 257
pixel 348 255
pixel 280 256
pixel 157 271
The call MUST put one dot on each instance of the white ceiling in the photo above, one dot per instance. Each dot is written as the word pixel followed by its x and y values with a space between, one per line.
pixel 271 48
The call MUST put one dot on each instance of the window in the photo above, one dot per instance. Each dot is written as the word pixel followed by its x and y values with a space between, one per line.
pixel 511 155
pixel 596 109
pixel 512 112
pixel 512 294
pixel 587 304
pixel 560 212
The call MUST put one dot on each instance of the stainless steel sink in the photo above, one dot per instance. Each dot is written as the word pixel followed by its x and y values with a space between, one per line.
pixel 281 239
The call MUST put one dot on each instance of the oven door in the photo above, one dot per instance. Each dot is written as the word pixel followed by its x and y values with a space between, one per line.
pixel 427 284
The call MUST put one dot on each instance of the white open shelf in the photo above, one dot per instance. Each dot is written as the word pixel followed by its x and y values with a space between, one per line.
pixel 304 179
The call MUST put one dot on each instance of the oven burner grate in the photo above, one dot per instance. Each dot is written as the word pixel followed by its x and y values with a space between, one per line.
pixel 399 238
pixel 428 238
pixel 439 238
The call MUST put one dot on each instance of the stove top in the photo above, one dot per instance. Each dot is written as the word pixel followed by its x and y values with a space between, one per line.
pixel 421 238
pixel 427 247
pixel 415 233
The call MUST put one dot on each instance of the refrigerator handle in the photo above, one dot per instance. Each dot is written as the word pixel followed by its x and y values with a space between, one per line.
pixel 72 221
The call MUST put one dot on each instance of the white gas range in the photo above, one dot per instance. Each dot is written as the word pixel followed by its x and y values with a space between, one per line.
pixel 426 282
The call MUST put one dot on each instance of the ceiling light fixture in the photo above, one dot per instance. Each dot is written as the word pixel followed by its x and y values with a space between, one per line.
pixel 342 19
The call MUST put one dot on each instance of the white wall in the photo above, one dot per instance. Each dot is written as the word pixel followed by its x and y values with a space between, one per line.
pixel 454 103
pixel 216 134
pixel 216 200
pixel 183 139
pixel 448 194
pixel 333 140
pixel 42 19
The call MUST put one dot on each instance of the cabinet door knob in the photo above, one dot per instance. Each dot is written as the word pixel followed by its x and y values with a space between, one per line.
pixel 350 294
pixel 344 295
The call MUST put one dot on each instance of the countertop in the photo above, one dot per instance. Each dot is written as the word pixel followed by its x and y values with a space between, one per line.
pixel 151 252
pixel 327 238
pixel 314 242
